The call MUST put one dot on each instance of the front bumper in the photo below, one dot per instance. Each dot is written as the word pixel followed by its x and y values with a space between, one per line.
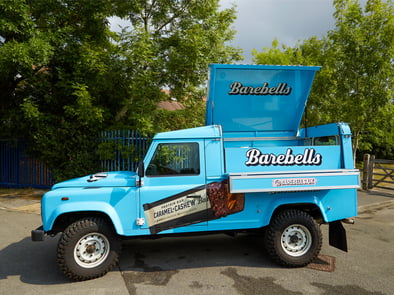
pixel 37 234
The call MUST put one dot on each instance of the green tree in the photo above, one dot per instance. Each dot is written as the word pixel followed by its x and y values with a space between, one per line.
pixel 55 68
pixel 64 75
pixel 363 43
pixel 355 84
pixel 23 52
pixel 169 45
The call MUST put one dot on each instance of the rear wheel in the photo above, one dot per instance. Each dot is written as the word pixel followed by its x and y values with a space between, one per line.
pixel 293 238
pixel 88 249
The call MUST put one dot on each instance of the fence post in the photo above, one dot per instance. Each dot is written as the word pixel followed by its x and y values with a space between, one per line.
pixel 366 171
pixel 370 173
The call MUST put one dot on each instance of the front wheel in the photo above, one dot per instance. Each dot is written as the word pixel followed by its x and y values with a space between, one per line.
pixel 293 238
pixel 88 249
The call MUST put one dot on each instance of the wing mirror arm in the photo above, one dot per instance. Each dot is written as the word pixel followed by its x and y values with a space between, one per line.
pixel 141 174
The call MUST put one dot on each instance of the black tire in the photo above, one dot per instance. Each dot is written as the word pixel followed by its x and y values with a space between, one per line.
pixel 88 249
pixel 293 238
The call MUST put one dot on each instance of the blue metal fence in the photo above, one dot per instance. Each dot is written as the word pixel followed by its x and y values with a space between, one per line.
pixel 19 170
pixel 126 147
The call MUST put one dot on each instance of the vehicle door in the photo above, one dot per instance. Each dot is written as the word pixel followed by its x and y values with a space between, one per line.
pixel 173 195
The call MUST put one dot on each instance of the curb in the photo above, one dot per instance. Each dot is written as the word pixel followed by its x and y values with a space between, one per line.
pixel 33 209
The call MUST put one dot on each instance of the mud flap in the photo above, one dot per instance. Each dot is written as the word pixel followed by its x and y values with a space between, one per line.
pixel 337 235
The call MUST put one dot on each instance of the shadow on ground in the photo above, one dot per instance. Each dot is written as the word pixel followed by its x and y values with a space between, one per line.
pixel 33 262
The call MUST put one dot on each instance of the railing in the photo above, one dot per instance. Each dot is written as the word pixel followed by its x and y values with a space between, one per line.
pixel 18 169
pixel 378 173
pixel 125 148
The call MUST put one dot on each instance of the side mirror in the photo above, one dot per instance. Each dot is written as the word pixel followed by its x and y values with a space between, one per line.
pixel 141 169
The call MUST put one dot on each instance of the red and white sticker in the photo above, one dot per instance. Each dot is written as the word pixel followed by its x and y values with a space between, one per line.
pixel 293 182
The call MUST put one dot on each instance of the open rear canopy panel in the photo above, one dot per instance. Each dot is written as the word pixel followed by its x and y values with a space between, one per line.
pixel 258 98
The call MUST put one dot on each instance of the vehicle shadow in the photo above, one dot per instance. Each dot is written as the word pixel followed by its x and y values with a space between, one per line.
pixel 380 192
pixel 173 253
pixel 34 262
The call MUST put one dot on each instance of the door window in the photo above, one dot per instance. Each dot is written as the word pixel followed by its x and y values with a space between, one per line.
pixel 174 159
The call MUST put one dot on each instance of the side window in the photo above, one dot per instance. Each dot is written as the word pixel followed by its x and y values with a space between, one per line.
pixel 325 140
pixel 172 159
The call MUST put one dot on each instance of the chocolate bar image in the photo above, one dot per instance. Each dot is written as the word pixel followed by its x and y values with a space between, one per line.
pixel 200 204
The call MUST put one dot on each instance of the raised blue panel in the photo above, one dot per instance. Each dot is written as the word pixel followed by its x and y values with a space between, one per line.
pixel 214 158
pixel 326 130
pixel 292 158
pixel 263 98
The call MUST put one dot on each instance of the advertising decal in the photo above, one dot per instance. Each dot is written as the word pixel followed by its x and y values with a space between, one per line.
pixel 199 204
pixel 309 157
pixel 293 182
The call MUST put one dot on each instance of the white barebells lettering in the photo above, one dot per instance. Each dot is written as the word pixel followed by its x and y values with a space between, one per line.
pixel 309 157
pixel 238 88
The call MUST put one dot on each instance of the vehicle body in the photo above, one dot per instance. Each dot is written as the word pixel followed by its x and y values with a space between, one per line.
pixel 249 168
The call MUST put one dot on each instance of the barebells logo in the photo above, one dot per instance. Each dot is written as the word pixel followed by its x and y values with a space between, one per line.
pixel 309 157
pixel 238 88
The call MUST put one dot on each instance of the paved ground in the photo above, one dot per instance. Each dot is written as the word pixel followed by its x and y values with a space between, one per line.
pixel 215 264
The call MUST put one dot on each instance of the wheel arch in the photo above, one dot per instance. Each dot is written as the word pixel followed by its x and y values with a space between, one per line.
pixel 64 220
pixel 60 218
pixel 310 208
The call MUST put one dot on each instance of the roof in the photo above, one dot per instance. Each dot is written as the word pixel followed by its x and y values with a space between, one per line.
pixel 213 131
pixel 170 105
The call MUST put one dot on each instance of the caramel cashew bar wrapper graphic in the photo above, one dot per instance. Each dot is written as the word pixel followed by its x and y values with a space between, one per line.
pixel 185 208
pixel 193 206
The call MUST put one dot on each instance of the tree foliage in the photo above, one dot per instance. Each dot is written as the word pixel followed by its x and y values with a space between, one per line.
pixel 53 72
pixel 355 84
pixel 64 75
pixel 169 45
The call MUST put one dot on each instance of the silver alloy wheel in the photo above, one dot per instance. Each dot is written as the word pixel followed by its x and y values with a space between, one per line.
pixel 91 250
pixel 296 240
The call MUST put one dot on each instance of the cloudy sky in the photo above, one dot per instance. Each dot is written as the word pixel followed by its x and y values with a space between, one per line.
pixel 259 22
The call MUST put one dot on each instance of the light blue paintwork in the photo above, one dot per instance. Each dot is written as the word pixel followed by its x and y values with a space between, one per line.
pixel 113 179
pixel 322 180
pixel 119 203
pixel 333 204
pixel 266 112
pixel 236 124
pixel 198 132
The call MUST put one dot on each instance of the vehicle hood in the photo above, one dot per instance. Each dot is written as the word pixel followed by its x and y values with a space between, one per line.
pixel 103 179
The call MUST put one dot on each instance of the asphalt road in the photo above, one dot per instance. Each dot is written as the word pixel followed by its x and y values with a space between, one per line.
pixel 216 264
